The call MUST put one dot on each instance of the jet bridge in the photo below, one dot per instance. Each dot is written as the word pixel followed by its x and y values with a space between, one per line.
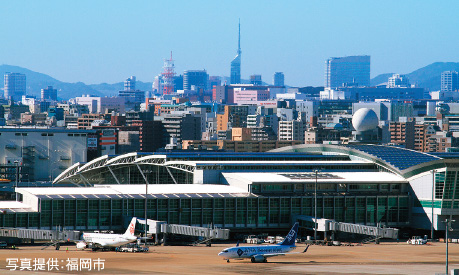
pixel 328 225
pixel 207 233
pixel 39 234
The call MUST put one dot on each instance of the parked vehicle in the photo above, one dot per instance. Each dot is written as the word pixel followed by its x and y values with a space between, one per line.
pixel 132 247
pixel 417 240
pixel 254 240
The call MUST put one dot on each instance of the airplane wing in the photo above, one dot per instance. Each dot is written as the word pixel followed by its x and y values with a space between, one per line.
pixel 283 254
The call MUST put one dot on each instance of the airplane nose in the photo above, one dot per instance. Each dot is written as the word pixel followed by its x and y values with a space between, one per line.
pixel 220 254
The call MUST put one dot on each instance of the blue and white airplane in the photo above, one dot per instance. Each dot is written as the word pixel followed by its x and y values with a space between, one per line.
pixel 260 253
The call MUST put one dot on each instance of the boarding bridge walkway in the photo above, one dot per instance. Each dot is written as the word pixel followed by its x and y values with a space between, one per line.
pixel 40 234
pixel 207 233
pixel 389 233
pixel 328 225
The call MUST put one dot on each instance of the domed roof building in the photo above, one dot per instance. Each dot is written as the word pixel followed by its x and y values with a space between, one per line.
pixel 365 119
pixel 365 122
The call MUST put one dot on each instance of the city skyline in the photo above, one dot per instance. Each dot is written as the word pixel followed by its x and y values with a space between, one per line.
pixel 108 41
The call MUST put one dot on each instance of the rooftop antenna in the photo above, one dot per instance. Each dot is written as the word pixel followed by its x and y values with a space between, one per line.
pixel 239 38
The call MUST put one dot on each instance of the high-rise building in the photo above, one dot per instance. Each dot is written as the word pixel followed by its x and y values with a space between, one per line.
pixel 449 81
pixel 236 63
pixel 182 127
pixel 132 97
pixel 255 79
pixel 398 81
pixel 151 135
pixel 195 79
pixel 234 116
pixel 278 79
pixel 15 86
pixel 178 82
pixel 214 81
pixel 129 84
pixel 49 93
pixel 403 133
pixel 347 71
pixel 291 130
pixel 244 96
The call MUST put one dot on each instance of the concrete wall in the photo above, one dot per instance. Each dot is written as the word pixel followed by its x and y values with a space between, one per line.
pixel 48 153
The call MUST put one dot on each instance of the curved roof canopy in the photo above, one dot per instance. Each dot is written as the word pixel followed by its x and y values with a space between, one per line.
pixel 398 157
pixel 399 160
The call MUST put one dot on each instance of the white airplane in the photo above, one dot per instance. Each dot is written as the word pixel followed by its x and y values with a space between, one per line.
pixel 260 253
pixel 101 240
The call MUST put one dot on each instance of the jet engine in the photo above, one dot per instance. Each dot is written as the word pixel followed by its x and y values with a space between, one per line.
pixel 81 245
pixel 258 259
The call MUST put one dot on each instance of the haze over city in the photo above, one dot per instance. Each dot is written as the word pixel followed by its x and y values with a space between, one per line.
pixel 106 41
pixel 205 135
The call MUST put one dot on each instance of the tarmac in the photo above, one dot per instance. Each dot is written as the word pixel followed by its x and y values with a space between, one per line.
pixel 385 258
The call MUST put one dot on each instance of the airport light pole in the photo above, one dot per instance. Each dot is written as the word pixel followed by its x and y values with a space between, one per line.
pixel 447 228
pixel 146 218
pixel 17 176
pixel 433 196
pixel 315 207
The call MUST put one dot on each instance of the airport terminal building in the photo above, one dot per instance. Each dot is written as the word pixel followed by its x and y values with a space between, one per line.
pixel 362 184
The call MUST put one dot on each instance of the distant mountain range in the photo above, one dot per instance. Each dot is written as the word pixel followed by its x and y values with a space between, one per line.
pixel 428 77
pixel 37 81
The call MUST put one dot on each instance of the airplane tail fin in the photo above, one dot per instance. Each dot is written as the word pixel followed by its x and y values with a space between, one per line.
pixel 291 237
pixel 306 249
pixel 131 228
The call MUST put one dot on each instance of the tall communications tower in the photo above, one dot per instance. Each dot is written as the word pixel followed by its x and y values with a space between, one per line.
pixel 236 63
pixel 168 76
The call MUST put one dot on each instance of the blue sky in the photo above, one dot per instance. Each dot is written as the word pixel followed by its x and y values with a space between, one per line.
pixel 108 41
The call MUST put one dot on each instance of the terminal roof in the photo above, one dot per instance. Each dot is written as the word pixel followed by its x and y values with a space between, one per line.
pixel 398 157
pixel 14 206
pixel 322 177
pixel 138 191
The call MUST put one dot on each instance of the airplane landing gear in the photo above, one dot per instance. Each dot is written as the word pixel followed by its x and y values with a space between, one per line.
pixel 227 260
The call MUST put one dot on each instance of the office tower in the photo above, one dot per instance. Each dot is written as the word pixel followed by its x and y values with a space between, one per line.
pixel 132 98
pixel 129 84
pixel 347 71
pixel 255 79
pixel 398 81
pixel 291 130
pixel 278 79
pixel 178 82
pixel 195 79
pixel 15 86
pixel 449 81
pixel 49 93
pixel 182 127
pixel 234 116
pixel 236 63
pixel 151 135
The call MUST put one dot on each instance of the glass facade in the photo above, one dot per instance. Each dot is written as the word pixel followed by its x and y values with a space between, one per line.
pixel 130 174
pixel 240 212
pixel 445 189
